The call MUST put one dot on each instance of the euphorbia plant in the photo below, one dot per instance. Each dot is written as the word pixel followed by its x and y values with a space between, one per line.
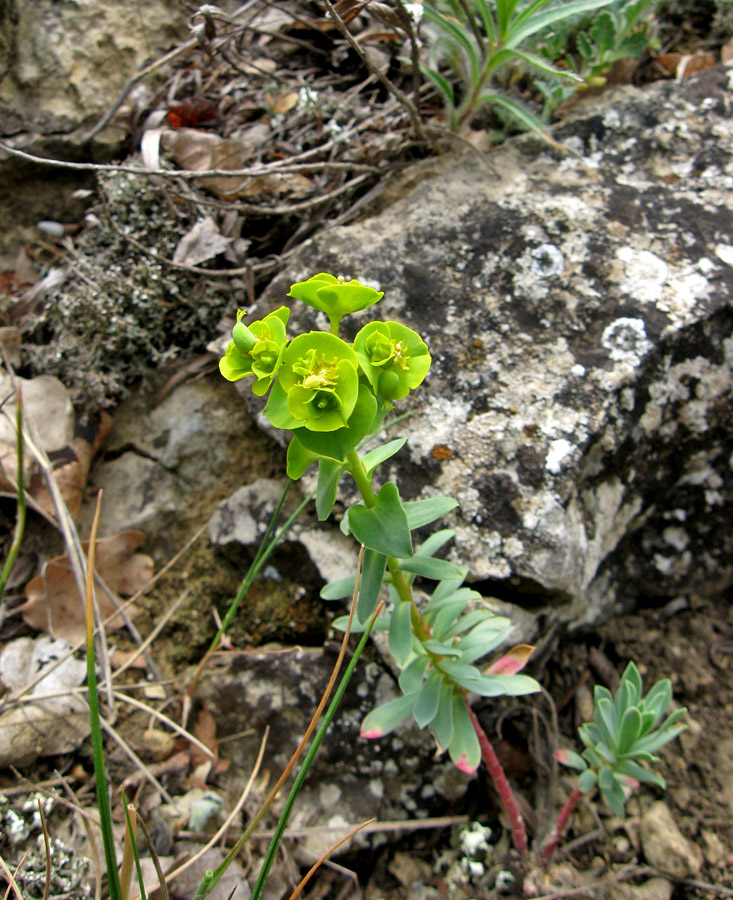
pixel 626 731
pixel 333 395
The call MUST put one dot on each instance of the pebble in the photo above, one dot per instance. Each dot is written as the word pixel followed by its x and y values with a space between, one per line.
pixel 665 847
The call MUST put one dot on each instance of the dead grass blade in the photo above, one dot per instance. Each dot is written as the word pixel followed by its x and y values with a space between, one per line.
pixel 317 865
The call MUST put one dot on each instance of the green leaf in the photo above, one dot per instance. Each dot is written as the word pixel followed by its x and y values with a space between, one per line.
pixel 517 111
pixel 423 512
pixel 542 65
pixel 658 698
pixel 587 780
pixel 376 457
pixel 530 22
pixel 441 598
pixel 632 677
pixel 572 759
pixel 605 718
pixel 400 633
pixel 329 473
pixel 428 700
pixel 462 37
pixel 653 742
pixel 442 84
pixel 412 675
pixel 446 619
pixel 464 747
pixel 470 620
pixel 442 724
pixel 370 583
pixel 629 730
pixel 513 685
pixel 612 790
pixel 603 31
pixel 428 567
pixel 382 624
pixel 337 590
pixel 386 718
pixel 299 458
pixel 634 770
pixel 384 527
pixel 439 648
pixel 488 20
pixel 431 546
pixel 584 45
pixel 465 676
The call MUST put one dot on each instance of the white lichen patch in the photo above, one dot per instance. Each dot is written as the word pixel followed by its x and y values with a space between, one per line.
pixel 559 450
pixel 445 417
pixel 626 340
pixel 644 274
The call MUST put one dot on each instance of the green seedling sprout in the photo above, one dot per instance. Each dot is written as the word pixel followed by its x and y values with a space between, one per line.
pixel 621 741
pixel 471 42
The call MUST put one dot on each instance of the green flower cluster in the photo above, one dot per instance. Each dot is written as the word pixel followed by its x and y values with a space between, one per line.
pixel 329 393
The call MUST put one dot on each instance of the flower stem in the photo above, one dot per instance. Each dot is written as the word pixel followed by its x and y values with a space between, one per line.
pixel 560 824
pixel 401 584
pixel 506 795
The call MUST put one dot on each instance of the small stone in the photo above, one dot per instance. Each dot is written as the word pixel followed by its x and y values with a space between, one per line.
pixel 664 845
pixel 653 889
pixel 713 848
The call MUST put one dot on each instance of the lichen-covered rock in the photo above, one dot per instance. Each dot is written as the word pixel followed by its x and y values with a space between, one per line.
pixel 578 309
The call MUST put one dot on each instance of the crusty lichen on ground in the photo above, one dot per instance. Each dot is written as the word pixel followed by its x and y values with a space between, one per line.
pixel 121 314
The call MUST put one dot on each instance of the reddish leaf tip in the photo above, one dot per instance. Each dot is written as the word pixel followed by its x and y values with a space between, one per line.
pixel 464 765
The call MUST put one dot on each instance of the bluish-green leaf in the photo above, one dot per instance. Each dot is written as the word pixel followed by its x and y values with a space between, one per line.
pixel 464 747
pixel 587 780
pixel 634 770
pixel 464 675
pixel 337 590
pixel 429 567
pixel 370 583
pixel 612 790
pixel 446 619
pixel 470 620
pixel 423 512
pixel 382 624
pixel 431 546
pixel 329 473
pixel 442 724
pixel 439 648
pixel 572 759
pixel 441 598
pixel 632 677
pixel 516 110
pixel 384 527
pixel 387 717
pixel 400 633
pixel 629 729
pixel 513 685
pixel 428 700
pixel 376 457
pixel 412 675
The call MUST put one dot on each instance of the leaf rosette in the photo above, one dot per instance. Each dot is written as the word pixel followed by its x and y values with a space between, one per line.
pixel 335 296
pixel 393 357
pixel 256 349
pixel 319 377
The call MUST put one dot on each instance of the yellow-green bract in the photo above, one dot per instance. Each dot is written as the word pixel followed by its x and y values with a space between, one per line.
pixel 256 350
pixel 393 357
pixel 319 377
pixel 335 296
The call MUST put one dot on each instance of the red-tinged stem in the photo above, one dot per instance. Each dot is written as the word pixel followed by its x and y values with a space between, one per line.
pixel 506 794
pixel 560 824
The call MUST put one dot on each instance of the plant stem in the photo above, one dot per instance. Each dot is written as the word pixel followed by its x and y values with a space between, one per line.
pixel 401 584
pixel 560 824
pixel 506 795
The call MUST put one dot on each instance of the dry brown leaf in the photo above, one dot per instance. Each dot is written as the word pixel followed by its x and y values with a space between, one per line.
pixel 682 65
pixel 205 730
pixel 726 53
pixel 54 604
pixel 202 242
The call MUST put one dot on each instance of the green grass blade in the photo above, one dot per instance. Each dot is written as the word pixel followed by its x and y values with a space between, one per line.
pixel 526 25
pixel 460 36
pixel 21 512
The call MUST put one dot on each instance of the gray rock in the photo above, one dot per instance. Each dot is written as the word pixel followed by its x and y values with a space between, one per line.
pixel 664 845
pixel 168 465
pixel 578 309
